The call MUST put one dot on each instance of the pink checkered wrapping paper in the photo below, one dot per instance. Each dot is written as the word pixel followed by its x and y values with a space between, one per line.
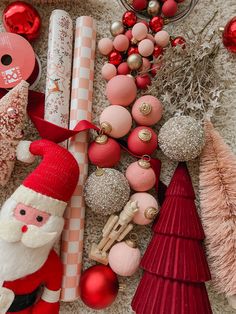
pixel 81 108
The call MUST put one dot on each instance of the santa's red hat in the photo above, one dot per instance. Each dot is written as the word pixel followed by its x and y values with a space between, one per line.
pixel 50 186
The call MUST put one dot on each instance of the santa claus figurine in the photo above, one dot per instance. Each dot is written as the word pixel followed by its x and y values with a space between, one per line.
pixel 31 221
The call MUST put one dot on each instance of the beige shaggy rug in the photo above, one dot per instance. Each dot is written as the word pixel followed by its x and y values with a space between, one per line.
pixel 105 11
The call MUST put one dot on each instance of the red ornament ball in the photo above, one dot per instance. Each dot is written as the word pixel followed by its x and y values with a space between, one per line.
pixel 142 141
pixel 129 18
pixel 158 51
pixel 229 35
pixel 169 8
pixel 143 81
pixel 22 18
pixel 178 41
pixel 123 69
pixel 139 5
pixel 98 287
pixel 156 23
pixel 132 50
pixel 104 152
pixel 115 58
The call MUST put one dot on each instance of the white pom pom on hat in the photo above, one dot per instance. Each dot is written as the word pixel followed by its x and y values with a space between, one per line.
pixel 23 152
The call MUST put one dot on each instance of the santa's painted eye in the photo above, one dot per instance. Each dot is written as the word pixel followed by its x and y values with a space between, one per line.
pixel 39 218
pixel 22 212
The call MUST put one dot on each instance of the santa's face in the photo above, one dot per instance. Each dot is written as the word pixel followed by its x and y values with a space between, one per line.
pixel 26 237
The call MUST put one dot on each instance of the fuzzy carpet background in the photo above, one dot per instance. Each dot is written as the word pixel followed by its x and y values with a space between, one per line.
pixel 106 11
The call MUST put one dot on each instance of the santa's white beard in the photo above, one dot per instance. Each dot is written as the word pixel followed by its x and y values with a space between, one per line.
pixel 17 260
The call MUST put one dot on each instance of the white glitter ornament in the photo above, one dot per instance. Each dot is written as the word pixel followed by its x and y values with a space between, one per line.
pixel 106 191
pixel 181 138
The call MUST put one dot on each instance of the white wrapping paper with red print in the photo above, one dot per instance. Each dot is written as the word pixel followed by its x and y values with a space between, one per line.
pixel 81 108
pixel 59 64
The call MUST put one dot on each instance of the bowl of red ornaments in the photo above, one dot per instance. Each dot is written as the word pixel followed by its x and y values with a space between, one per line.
pixel 169 10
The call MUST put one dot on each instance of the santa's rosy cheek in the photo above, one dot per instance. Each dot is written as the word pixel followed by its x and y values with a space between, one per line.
pixel 30 215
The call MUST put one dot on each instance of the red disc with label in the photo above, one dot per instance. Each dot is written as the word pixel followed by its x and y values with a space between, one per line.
pixel 17 60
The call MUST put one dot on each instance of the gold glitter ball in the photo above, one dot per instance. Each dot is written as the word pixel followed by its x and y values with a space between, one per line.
pixel 108 193
pixel 181 138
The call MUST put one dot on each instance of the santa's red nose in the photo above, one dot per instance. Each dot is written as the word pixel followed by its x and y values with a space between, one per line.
pixel 24 228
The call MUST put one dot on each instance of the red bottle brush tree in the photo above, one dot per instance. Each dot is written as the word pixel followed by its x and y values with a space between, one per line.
pixel 175 266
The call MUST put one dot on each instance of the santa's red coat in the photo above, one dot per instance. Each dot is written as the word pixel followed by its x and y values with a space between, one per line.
pixel 49 275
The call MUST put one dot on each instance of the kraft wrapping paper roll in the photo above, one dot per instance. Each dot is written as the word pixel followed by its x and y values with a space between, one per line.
pixel 59 66
pixel 81 108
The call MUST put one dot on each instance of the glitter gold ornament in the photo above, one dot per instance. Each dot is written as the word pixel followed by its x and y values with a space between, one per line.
pixel 181 138
pixel 106 191
pixel 117 28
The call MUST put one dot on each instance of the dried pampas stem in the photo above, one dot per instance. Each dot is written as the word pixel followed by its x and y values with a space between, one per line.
pixel 218 203
pixel 187 81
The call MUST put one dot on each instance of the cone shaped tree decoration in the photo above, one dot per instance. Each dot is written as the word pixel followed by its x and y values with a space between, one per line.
pixel 218 203
pixel 175 266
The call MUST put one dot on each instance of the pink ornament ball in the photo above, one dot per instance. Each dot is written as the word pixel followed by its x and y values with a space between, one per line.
pixel 104 155
pixel 139 5
pixel 149 36
pixel 142 141
pixel 105 46
pixel 119 120
pixel 123 259
pixel 148 208
pixel 108 71
pixel 139 178
pixel 145 66
pixel 169 8
pixel 128 34
pixel 146 47
pixel 162 38
pixel 143 81
pixel 121 90
pixel 121 43
pixel 123 69
pixel 139 31
pixel 147 110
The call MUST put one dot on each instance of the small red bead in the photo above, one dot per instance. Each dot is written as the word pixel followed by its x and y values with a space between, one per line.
pixel 132 50
pixel 143 81
pixel 153 70
pixel 24 229
pixel 229 35
pixel 156 23
pixel 129 18
pixel 158 51
pixel 178 41
pixel 139 5
pixel 115 58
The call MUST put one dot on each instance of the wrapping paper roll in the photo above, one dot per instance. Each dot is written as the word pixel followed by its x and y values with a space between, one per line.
pixel 81 108
pixel 59 64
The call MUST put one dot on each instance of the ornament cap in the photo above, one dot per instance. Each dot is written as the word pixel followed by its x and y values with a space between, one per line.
pixel 99 172
pixel 150 213
pixel 145 135
pixel 101 139
pixel 106 127
pixel 145 108
pixel 131 243
pixel 144 163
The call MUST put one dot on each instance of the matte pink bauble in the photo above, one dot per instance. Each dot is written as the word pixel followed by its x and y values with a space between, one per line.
pixel 108 71
pixel 121 43
pixel 116 121
pixel 162 38
pixel 146 47
pixel 141 176
pixel 147 110
pixel 145 66
pixel 124 258
pixel 121 90
pixel 128 34
pixel 139 31
pixel 142 141
pixel 148 208
pixel 104 152
pixel 169 8
pixel 105 46
pixel 123 69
